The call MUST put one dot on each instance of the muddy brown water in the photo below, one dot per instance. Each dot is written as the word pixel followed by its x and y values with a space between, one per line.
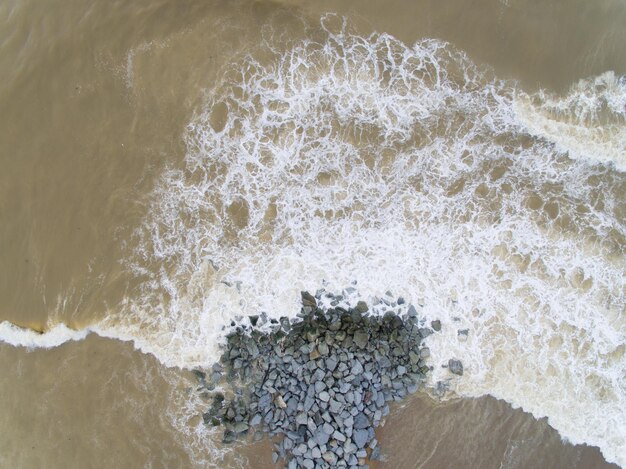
pixel 95 97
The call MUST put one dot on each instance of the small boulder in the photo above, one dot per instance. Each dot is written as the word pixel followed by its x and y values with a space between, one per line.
pixel 455 366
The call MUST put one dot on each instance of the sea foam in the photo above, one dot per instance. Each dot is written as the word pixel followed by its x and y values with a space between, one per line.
pixel 25 337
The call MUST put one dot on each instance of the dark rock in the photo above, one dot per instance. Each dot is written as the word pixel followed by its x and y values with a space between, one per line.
pixel 425 332
pixel 308 299
pixel 455 366
pixel 436 325
pixel 253 320
pixel 361 338
pixel 200 376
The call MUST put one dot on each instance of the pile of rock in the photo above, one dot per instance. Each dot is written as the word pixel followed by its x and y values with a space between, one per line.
pixel 322 381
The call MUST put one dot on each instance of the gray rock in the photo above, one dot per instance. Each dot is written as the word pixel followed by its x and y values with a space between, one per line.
pixel 425 332
pixel 436 325
pixel 425 352
pixel 328 428
pixel 361 421
pixel 455 366
pixel 300 449
pixel 357 368
pixel 308 403
pixel 319 386
pixel 324 396
pixel 321 437
pixel 335 407
pixel 331 364
pixel 255 420
pixel 360 438
pixel 322 348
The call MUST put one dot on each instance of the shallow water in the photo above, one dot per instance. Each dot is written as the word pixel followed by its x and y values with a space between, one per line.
pixel 169 166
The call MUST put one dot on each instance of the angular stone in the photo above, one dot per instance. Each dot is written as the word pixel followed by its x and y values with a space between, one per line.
pixel 335 407
pixel 357 368
pixel 331 364
pixel 360 438
pixel 455 366
pixel 323 396
pixel 321 437
pixel 330 458
pixel 323 349
pixel 361 421
pixel 436 325
pixel 280 402
pixel 308 299
pixel 255 420
pixel 328 428
pixel 300 449
pixel 361 338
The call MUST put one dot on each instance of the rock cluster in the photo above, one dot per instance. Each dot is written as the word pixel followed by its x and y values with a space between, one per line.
pixel 322 381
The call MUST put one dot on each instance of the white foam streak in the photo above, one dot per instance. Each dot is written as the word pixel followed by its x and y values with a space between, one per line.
pixel 24 337
pixel 588 123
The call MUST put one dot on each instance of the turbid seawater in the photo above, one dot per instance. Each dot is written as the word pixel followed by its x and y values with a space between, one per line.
pixel 169 166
